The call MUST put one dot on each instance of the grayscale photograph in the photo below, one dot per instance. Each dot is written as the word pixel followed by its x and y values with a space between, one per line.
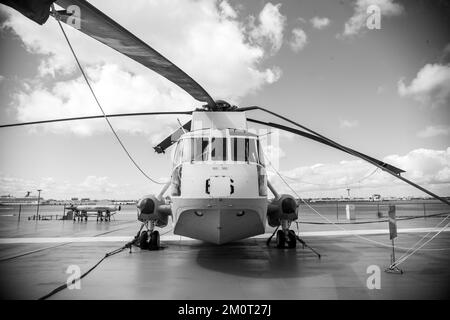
pixel 205 151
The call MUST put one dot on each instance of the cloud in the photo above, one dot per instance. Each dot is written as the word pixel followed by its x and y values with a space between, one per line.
pixel 227 10
pixel 270 28
pixel 424 165
pixel 299 40
pixel 431 86
pixel 93 187
pixel 320 23
pixel 199 36
pixel 388 8
pixel 429 168
pixel 434 131
pixel 2 78
pixel 347 124
pixel 118 90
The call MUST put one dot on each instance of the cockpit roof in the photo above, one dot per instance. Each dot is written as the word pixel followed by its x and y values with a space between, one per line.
pixel 218 133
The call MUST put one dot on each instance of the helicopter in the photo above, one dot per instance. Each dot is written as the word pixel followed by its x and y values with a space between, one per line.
pixel 219 189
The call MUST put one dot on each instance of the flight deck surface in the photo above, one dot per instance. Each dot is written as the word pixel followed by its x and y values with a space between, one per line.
pixel 35 255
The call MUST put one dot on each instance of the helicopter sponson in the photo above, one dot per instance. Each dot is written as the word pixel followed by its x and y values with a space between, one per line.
pixel 150 208
pixel 283 208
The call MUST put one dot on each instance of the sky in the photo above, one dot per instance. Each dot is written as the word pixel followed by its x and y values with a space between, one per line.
pixel 382 91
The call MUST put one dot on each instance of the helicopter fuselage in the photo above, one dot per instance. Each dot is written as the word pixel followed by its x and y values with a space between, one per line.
pixel 218 184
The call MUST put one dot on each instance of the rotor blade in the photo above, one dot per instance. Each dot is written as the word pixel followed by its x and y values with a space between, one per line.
pixel 380 164
pixel 94 117
pixel 326 142
pixel 94 23
pixel 170 140
pixel 36 10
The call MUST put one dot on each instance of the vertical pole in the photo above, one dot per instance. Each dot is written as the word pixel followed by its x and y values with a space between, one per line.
pixel 393 251
pixel 39 201
pixel 20 210
pixel 337 210
pixel 378 210
pixel 424 211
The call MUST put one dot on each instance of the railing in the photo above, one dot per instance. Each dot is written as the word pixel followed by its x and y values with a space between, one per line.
pixel 373 210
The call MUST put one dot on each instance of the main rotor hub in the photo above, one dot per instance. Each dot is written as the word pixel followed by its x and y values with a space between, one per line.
pixel 220 105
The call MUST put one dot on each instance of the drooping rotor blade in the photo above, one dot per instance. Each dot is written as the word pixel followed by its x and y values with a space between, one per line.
pixel 170 140
pixel 36 10
pixel 378 163
pixel 94 117
pixel 91 21
pixel 326 142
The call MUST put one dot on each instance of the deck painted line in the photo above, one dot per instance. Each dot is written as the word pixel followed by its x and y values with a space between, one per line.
pixel 172 237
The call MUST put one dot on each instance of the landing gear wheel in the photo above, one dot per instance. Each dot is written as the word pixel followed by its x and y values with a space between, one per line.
pixel 154 240
pixel 143 240
pixel 292 239
pixel 281 239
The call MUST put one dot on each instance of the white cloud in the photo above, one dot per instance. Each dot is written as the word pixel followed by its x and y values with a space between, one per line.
pixel 423 165
pixel 429 168
pixel 299 40
pixel 431 85
pixel 227 10
pixel 202 37
pixel 93 187
pixel 347 124
pixel 2 78
pixel 434 131
pixel 270 28
pixel 320 23
pixel 118 90
pixel 357 22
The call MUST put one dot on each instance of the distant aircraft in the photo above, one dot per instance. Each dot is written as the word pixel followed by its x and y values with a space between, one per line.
pixel 100 211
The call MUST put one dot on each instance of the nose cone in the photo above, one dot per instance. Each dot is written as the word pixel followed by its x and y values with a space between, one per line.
pixel 219 225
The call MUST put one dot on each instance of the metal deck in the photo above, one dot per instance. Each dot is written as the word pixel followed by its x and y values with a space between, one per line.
pixel 34 257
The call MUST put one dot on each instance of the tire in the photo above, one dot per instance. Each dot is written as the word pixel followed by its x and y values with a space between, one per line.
pixel 292 240
pixel 154 240
pixel 143 243
pixel 281 239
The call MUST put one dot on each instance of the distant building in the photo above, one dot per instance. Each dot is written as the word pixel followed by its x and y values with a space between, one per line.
pixel 375 197
pixel 11 200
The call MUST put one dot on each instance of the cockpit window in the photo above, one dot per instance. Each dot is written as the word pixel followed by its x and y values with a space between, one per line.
pixel 252 151
pixel 178 153
pixel 218 149
pixel 192 149
pixel 244 149
pixel 201 149
pixel 260 154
